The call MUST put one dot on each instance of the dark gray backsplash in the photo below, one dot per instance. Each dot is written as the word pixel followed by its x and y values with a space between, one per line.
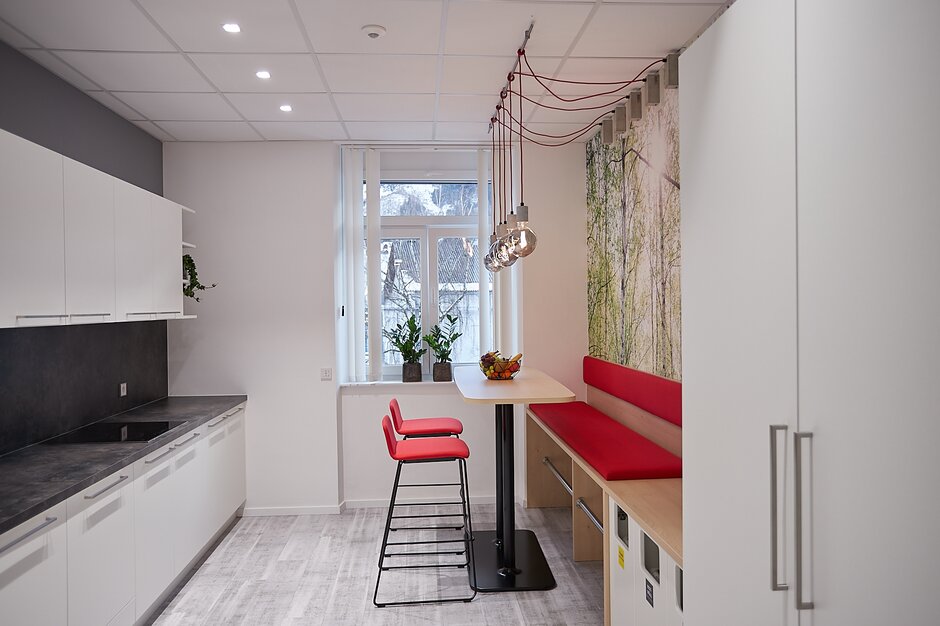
pixel 41 107
pixel 57 378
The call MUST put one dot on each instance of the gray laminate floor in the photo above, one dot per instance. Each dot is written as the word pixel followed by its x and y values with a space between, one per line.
pixel 321 570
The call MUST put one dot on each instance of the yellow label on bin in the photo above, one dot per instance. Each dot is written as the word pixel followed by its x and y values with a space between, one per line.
pixel 620 556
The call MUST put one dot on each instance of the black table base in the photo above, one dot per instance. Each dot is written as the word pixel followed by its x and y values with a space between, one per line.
pixel 533 573
pixel 507 559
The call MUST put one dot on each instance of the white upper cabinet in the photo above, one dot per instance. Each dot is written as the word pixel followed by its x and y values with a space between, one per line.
pixel 166 219
pixel 89 244
pixel 32 235
pixel 133 252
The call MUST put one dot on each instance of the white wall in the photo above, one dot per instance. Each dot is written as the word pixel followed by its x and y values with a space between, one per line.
pixel 554 277
pixel 264 231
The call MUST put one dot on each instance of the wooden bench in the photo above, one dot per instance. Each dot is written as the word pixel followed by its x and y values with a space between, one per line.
pixel 624 444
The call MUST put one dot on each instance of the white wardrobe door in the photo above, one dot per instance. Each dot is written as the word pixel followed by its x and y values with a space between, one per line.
pixel 32 234
pixel 737 150
pixel 89 244
pixel 869 305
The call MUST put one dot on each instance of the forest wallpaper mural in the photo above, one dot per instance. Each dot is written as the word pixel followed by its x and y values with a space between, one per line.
pixel 633 244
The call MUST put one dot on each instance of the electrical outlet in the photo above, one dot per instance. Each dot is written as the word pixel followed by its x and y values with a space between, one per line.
pixel 326 373
pixel 123 389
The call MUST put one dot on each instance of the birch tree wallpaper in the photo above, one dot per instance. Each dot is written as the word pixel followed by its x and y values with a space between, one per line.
pixel 633 244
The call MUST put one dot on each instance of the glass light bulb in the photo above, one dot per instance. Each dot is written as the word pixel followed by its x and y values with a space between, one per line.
pixel 502 251
pixel 491 264
pixel 524 240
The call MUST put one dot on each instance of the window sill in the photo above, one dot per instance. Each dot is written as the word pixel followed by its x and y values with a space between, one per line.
pixel 425 387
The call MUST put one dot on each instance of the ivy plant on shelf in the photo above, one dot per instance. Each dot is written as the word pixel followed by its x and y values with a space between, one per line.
pixel 191 282
pixel 441 340
pixel 406 340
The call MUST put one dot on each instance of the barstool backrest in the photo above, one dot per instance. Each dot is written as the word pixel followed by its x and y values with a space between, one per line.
pixel 389 436
pixel 395 412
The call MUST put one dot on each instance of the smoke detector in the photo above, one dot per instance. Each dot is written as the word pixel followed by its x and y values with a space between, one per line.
pixel 374 31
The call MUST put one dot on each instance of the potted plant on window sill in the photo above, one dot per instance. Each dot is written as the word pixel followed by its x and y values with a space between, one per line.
pixel 406 338
pixel 441 341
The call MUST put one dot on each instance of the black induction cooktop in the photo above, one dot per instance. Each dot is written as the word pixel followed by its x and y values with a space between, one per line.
pixel 117 432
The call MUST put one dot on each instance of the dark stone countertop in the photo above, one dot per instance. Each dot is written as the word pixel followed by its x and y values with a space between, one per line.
pixel 40 476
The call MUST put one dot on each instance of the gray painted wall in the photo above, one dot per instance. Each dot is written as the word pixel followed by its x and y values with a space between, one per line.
pixel 38 105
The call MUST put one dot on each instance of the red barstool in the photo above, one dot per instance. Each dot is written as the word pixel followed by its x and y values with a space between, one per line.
pixel 427 450
pixel 424 426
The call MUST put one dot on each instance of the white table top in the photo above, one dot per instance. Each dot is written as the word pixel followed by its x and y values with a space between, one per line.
pixel 529 385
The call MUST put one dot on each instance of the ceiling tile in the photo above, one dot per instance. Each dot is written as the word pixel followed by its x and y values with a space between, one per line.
pixel 85 25
pixel 385 107
pixel 210 131
pixel 295 131
pixel 266 26
pixel 412 26
pixel 155 131
pixel 475 27
pixel 476 75
pixel 180 106
pixel 116 105
pixel 138 71
pixel 266 106
pixel 462 131
pixel 454 108
pixel 599 70
pixel 390 131
pixel 359 73
pixel 236 72
pixel 542 115
pixel 13 37
pixel 624 30
pixel 55 65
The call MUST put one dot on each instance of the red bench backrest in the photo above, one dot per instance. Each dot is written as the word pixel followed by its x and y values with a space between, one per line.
pixel 657 395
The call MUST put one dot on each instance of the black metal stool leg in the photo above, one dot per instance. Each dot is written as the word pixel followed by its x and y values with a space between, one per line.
pixel 388 525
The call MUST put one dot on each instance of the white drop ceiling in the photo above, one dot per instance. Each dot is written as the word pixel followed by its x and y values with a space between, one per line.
pixel 435 75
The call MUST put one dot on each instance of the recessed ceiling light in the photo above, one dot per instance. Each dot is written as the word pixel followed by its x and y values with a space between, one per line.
pixel 287 108
pixel 232 28
pixel 263 74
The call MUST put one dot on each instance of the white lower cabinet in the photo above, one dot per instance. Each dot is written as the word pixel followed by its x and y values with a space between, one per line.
pixel 622 565
pixel 193 489
pixel 154 521
pixel 33 571
pixel 226 445
pixel 101 550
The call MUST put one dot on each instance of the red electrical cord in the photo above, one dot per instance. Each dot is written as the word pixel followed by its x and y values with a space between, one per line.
pixel 520 52
pixel 509 145
pixel 555 145
pixel 596 95
pixel 493 170
pixel 532 132
pixel 590 108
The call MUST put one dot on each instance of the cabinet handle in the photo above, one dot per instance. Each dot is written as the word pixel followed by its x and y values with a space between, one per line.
pixel 158 457
pixel 155 313
pixel 27 535
pixel 105 489
pixel 775 585
pixel 41 317
pixel 238 410
pixel 221 419
pixel 798 515
pixel 89 315
pixel 590 515
pixel 182 443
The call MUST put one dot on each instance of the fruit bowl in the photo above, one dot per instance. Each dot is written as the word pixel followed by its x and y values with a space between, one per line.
pixel 495 367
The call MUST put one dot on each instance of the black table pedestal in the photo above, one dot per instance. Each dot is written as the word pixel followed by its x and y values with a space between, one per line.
pixel 507 559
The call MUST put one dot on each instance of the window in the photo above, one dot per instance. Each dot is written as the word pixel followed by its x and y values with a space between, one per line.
pixel 429 265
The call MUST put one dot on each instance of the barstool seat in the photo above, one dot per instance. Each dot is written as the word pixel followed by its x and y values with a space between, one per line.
pixel 430 448
pixel 423 426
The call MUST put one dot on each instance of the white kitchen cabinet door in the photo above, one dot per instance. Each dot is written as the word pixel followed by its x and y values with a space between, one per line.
pixel 32 234
pixel 194 492
pixel 155 525
pixel 217 465
pixel 133 252
pixel 89 244
pixel 621 564
pixel 167 240
pixel 869 305
pixel 235 460
pixel 101 550
pixel 653 595
pixel 33 571
pixel 739 314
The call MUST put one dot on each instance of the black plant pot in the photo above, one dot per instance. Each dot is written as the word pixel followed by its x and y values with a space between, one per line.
pixel 442 373
pixel 411 373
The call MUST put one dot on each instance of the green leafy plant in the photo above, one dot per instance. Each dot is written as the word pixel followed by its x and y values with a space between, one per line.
pixel 406 338
pixel 442 337
pixel 192 284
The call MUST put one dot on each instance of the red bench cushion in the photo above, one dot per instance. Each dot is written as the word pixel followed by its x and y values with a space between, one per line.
pixel 657 395
pixel 615 451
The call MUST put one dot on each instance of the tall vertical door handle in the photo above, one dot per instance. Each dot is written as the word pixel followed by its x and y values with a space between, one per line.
pixel 798 516
pixel 775 584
